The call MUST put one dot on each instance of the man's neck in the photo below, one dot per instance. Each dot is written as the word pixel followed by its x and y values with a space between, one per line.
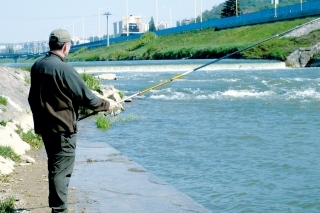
pixel 58 52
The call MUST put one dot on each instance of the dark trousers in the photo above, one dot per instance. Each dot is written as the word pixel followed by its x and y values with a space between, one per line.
pixel 60 150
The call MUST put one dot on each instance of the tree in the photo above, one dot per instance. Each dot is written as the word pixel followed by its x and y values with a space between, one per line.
pixel 230 8
pixel 152 27
pixel 10 49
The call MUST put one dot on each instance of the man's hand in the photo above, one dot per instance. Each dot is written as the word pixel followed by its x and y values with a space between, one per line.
pixel 112 105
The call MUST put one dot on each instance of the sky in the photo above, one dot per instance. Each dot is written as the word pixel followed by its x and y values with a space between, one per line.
pixel 33 20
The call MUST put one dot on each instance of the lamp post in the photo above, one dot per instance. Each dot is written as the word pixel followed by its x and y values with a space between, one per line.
pixel 236 7
pixel 170 14
pixel 73 28
pixel 107 14
pixel 92 35
pixel 157 21
pixel 195 11
pixel 127 18
pixel 99 20
pixel 200 10
pixel 82 28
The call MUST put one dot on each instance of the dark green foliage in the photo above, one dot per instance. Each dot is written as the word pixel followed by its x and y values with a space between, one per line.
pixel 143 40
pixel 92 82
pixel 119 55
pixel 3 101
pixel 3 123
pixel 7 205
pixel 152 27
pixel 231 8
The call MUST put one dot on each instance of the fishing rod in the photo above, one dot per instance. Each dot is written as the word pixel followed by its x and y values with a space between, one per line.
pixel 204 65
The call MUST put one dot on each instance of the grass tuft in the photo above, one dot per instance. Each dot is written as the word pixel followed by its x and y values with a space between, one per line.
pixel 7 152
pixel 34 140
pixel 7 205
pixel 4 178
pixel 92 82
pixel 3 123
pixel 103 122
pixel 126 119
pixel 3 100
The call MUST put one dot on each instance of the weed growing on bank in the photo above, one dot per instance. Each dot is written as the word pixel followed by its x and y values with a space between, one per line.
pixel 103 122
pixel 7 205
pixel 7 152
pixel 3 100
pixel 4 178
pixel 92 82
pixel 34 140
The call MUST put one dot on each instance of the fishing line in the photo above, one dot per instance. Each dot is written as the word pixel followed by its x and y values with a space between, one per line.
pixel 202 66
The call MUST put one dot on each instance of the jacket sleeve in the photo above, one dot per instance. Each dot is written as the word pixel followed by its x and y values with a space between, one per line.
pixel 82 94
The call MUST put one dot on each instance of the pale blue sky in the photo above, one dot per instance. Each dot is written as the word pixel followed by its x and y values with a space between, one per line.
pixel 32 20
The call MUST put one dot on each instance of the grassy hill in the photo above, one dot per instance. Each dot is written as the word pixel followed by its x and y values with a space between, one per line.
pixel 205 44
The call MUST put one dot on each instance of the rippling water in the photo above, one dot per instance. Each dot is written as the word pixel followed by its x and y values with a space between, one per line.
pixel 233 140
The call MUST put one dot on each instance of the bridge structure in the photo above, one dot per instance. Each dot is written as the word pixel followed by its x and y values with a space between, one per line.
pixel 16 56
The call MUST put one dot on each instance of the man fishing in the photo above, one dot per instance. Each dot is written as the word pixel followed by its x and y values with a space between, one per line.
pixel 56 93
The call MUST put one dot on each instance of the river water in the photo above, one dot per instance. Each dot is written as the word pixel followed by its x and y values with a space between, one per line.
pixel 234 140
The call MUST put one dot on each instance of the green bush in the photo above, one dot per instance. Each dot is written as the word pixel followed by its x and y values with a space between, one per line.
pixel 3 100
pixel 7 152
pixel 92 82
pixel 34 140
pixel 84 110
pixel 143 40
pixel 7 205
pixel 119 55
pixel 3 123
pixel 103 122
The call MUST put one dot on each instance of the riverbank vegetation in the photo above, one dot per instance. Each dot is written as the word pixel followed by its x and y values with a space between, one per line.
pixel 206 44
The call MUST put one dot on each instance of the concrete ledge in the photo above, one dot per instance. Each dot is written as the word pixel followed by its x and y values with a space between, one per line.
pixel 112 182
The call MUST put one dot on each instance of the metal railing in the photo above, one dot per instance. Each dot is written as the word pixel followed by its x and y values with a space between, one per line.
pixel 264 16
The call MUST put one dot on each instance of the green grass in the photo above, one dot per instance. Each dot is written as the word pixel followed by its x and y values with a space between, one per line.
pixel 125 119
pixel 103 122
pixel 28 69
pixel 7 152
pixel 92 82
pixel 207 44
pixel 7 205
pixel 3 123
pixel 106 122
pixel 27 79
pixel 34 140
pixel 3 100
pixel 121 94
pixel 4 178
